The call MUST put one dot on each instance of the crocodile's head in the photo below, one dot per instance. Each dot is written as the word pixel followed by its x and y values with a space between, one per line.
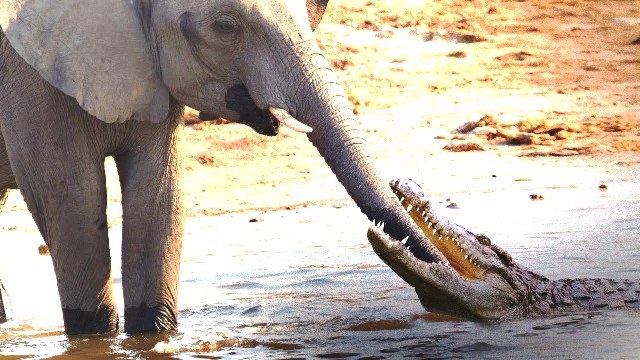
pixel 476 280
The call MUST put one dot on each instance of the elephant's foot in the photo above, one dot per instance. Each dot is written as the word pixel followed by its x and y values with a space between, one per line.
pixel 140 319
pixel 103 320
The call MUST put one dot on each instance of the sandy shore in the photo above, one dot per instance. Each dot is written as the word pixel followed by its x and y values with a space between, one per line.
pixel 449 93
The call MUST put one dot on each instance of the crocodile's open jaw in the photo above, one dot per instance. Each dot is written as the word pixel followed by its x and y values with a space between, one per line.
pixel 446 240
pixel 449 238
pixel 477 279
pixel 472 280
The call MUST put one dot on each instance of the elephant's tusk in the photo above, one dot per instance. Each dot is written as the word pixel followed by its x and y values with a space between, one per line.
pixel 289 121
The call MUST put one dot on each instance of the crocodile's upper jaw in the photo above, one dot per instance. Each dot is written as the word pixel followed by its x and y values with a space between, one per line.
pixel 470 255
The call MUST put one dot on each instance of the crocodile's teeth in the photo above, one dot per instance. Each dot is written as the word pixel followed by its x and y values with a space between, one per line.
pixel 404 241
pixel 409 207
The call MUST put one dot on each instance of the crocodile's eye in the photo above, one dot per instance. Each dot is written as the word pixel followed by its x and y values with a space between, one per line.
pixel 483 240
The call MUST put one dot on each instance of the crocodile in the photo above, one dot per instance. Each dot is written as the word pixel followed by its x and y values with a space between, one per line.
pixel 478 280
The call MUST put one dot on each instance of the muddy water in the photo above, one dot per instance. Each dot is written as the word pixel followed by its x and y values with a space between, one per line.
pixel 305 284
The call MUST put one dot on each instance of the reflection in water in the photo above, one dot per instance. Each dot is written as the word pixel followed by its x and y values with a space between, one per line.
pixel 300 284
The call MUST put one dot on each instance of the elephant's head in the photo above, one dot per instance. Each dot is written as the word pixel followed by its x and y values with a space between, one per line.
pixel 245 60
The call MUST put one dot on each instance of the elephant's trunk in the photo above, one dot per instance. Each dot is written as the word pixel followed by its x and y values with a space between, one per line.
pixel 339 139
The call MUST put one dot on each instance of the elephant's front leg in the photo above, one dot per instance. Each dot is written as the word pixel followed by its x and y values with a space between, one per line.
pixel 62 179
pixel 152 227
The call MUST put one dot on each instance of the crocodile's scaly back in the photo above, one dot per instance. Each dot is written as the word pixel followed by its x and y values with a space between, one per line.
pixel 595 294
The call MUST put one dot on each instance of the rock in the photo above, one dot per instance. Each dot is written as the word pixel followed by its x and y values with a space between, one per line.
pixel 43 250
pixel 564 152
pixel 562 135
pixel 462 146
pixel 520 139
pixel 487 132
pixel 457 54
pixel 466 127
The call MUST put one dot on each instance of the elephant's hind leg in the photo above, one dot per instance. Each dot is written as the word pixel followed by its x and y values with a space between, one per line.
pixel 3 313
pixel 7 180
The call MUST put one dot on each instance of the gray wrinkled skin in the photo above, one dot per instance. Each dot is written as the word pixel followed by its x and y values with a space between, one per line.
pixel 86 79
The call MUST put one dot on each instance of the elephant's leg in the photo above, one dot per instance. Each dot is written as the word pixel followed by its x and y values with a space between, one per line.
pixel 63 184
pixel 60 172
pixel 152 227
pixel 7 180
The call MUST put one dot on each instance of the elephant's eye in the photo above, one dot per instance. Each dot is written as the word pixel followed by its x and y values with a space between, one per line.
pixel 226 29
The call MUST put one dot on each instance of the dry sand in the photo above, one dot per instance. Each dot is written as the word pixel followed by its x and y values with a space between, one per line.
pixel 440 88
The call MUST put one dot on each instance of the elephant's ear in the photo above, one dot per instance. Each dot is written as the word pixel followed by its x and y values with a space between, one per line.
pixel 93 50
pixel 316 9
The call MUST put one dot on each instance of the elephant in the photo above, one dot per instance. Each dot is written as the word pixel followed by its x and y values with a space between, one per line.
pixel 86 79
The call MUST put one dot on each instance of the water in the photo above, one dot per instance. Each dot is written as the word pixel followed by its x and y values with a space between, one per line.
pixel 305 283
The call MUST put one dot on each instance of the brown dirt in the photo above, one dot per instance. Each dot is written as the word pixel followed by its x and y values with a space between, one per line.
pixel 550 77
